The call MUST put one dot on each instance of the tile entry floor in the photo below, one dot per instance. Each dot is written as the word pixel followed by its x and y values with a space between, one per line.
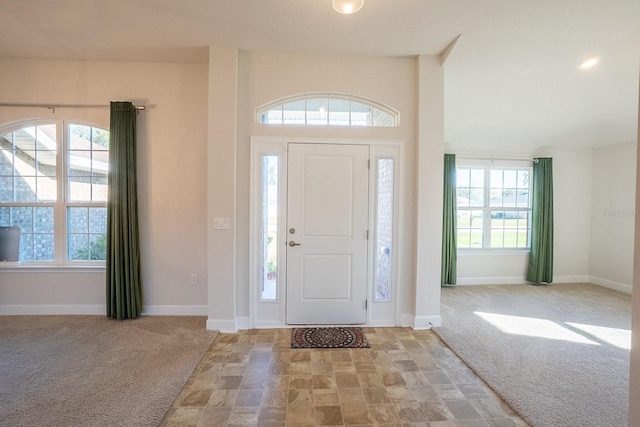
pixel 407 378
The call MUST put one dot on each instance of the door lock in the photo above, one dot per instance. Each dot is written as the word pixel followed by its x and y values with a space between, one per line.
pixel 292 243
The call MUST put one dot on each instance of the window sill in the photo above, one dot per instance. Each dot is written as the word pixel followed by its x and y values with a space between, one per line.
pixel 492 252
pixel 15 267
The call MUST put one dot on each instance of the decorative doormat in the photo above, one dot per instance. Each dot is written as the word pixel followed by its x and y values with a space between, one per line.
pixel 337 337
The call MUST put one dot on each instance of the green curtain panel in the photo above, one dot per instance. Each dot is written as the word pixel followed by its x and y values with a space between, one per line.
pixel 449 228
pixel 541 255
pixel 124 290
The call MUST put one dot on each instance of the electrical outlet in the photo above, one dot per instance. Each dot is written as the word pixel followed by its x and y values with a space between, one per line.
pixel 194 278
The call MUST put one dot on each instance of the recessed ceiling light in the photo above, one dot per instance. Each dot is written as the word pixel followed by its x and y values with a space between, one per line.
pixel 347 6
pixel 589 63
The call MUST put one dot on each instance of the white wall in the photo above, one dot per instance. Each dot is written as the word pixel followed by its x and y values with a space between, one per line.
pixel 429 192
pixel 613 216
pixel 486 268
pixel 265 77
pixel 172 144
pixel 221 187
pixel 634 378
pixel 194 166
pixel 572 212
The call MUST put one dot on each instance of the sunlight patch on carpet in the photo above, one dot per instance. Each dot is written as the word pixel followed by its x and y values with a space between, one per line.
pixel 533 327
pixel 620 338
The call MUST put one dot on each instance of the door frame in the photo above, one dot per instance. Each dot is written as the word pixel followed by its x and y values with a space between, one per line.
pixel 272 313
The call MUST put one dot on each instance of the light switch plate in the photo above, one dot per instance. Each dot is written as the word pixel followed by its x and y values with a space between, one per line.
pixel 221 223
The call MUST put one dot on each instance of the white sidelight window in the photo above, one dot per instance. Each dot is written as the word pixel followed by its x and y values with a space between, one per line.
pixel 384 229
pixel 270 213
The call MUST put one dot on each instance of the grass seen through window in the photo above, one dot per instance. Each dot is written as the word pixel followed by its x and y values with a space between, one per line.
pixel 493 208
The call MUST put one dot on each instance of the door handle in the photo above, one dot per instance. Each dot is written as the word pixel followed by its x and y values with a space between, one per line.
pixel 292 243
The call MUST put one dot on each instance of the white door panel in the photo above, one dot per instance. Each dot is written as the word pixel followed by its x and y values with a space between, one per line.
pixel 323 277
pixel 327 219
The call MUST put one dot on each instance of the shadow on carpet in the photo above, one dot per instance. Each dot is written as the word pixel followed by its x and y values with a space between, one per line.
pixel 91 370
pixel 558 355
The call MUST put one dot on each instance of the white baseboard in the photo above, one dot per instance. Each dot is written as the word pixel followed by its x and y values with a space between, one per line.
pixel 53 309
pixel 571 279
pixel 274 324
pixel 98 309
pixel 230 326
pixel 226 326
pixel 426 322
pixel 504 280
pixel 516 280
pixel 406 320
pixel 242 323
pixel 616 286
pixel 175 310
pixel 270 324
pixel 380 324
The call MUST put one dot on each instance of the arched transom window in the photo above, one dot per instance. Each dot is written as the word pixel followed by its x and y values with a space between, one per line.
pixel 327 109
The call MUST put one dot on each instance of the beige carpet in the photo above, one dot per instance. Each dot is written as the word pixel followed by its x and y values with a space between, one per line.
pixel 93 371
pixel 556 354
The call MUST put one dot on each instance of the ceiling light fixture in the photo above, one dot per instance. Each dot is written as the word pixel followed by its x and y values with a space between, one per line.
pixel 347 7
pixel 589 63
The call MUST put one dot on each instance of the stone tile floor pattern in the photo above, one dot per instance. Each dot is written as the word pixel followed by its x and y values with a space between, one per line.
pixel 407 378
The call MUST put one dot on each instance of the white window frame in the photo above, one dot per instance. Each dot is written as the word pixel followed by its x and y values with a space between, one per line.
pixel 487 166
pixel 62 203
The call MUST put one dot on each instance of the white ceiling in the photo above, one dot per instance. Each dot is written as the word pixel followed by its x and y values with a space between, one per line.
pixel 512 80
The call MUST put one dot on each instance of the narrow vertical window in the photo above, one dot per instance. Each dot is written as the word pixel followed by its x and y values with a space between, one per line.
pixel 384 230
pixel 470 200
pixel 509 202
pixel 269 228
pixel 28 188
pixel 87 168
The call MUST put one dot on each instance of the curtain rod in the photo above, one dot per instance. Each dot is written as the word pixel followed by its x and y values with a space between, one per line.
pixel 53 107
pixel 510 159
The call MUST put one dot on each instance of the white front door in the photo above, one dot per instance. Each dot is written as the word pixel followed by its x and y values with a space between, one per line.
pixel 327 216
